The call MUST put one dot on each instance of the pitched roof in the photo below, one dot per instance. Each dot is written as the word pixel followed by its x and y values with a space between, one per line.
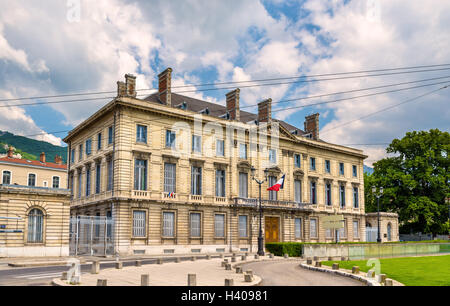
pixel 35 163
pixel 215 109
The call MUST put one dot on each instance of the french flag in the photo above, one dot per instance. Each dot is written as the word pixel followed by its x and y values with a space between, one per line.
pixel 278 185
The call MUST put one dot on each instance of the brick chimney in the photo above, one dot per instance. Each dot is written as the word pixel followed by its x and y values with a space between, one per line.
pixel 312 125
pixel 42 157
pixel 265 111
pixel 233 104
pixel 58 160
pixel 130 84
pixel 10 152
pixel 121 89
pixel 164 87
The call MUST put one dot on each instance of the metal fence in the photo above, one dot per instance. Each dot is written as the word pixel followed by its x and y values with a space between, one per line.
pixel 371 234
pixel 91 235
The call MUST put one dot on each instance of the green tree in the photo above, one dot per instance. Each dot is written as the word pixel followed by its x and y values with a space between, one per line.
pixel 415 181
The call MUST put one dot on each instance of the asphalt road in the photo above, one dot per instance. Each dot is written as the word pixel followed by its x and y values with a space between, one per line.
pixel 289 273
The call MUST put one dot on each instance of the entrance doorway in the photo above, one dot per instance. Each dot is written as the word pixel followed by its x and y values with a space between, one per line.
pixel 272 229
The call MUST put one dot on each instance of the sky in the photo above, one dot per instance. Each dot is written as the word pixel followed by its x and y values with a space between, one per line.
pixel 57 47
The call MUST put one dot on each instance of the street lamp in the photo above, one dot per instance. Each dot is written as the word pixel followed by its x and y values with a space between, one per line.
pixel 260 182
pixel 378 196
pixel 447 200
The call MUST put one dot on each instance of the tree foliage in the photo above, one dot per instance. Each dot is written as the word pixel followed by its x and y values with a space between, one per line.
pixel 415 181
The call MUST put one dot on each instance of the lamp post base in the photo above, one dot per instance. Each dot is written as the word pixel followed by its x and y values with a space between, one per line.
pixel 260 246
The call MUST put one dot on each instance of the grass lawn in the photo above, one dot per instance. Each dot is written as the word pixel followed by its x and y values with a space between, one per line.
pixel 411 271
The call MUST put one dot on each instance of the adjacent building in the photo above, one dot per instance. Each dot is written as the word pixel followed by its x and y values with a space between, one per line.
pixel 175 174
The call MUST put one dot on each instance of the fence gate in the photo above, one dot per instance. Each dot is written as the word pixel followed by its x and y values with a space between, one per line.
pixel 371 234
pixel 91 235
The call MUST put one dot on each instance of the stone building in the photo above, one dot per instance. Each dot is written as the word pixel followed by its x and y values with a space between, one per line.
pixel 34 208
pixel 174 173
pixel 388 226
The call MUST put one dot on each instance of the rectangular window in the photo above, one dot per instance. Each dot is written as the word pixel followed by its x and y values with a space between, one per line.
pixel 169 177
pixel 55 182
pixel 298 228
pixel 195 224
pixel 109 222
pixel 355 171
pixel 313 193
pixel 329 233
pixel 140 174
pixel 342 195
pixel 312 163
pixel 355 229
pixel 327 166
pixel 72 156
pixel 88 147
pixel 99 141
pixel 31 180
pixel 80 156
pixel 168 224
pixel 80 182
pixel 273 156
pixel 141 133
pixel 298 191
pixel 170 139
pixel 110 135
pixel 220 183
pixel 196 144
pixel 242 226
pixel 355 197
pixel 243 185
pixel 272 194
pixel 110 174
pixel 342 231
pixel 88 181
pixel 220 148
pixel 196 181
pixel 341 168
pixel 313 228
pixel 98 176
pixel 6 178
pixel 243 150
pixel 97 225
pixel 219 225
pixel 297 161
pixel 71 186
pixel 328 194
pixel 139 223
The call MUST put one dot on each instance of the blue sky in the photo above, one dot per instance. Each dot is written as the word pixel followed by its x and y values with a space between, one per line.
pixel 59 47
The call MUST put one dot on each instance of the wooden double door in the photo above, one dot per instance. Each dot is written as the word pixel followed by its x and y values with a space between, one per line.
pixel 272 229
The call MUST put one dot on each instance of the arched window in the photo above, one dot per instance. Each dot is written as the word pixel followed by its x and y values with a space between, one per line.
pixel 389 231
pixel 35 226
pixel 6 178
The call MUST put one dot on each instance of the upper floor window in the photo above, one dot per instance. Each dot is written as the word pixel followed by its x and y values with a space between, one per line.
pixel 35 226
pixel 31 180
pixel 243 185
pixel 313 193
pixel 327 166
pixel 196 181
pixel 272 194
pixel 298 191
pixel 140 174
pixel 110 135
pixel 243 150
pixel 80 182
pixel 98 175
pixel 220 183
pixel 355 197
pixel 297 161
pixel 196 143
pixel 273 156
pixel 170 139
pixel 55 182
pixel 88 147
pixel 109 165
pixel 341 168
pixel 72 156
pixel 169 177
pixel 6 178
pixel 99 141
pixel 88 180
pixel 80 157
pixel 355 171
pixel 328 194
pixel 312 164
pixel 342 195
pixel 220 148
pixel 141 133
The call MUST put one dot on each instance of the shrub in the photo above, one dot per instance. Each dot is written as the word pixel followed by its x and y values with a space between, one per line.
pixel 293 249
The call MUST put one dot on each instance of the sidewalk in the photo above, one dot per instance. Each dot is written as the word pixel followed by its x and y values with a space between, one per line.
pixel 208 273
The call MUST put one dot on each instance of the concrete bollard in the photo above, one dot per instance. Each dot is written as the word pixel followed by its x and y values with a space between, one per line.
pixel 250 272
pixel 159 261
pixel 228 266
pixel 233 259
pixel 95 267
pixel 229 282
pixel 177 259
pixel 138 263
pixel 102 282
pixel 286 256
pixel 192 279
pixel 248 278
pixel 318 264
pixel 256 256
pixel 335 266
pixel 355 270
pixel 238 270
pixel 388 282
pixel 271 255
pixel 145 280
pixel 64 276
pixel 119 265
pixel 223 263
pixel 371 273
pixel 309 261
pixel 382 278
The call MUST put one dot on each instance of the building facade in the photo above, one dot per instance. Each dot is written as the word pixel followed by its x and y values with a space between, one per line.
pixel 175 174
pixel 34 208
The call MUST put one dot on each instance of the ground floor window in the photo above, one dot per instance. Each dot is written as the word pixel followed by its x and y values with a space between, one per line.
pixel 195 224
pixel 243 226
pixel 313 228
pixel 35 226
pixel 355 229
pixel 168 224
pixel 139 223
pixel 219 225
pixel 298 228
